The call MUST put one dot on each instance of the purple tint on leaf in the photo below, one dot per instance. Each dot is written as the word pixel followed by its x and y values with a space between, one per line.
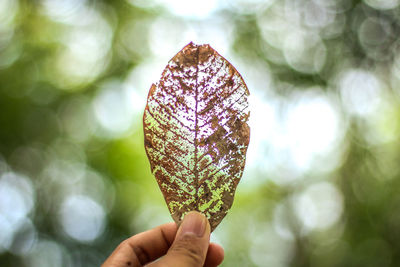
pixel 196 133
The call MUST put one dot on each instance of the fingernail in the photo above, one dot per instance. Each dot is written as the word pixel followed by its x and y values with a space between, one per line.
pixel 195 223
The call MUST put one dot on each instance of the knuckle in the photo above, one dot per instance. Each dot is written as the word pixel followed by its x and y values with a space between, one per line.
pixel 141 256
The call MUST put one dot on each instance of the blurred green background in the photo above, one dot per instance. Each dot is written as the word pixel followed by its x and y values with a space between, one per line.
pixel 322 179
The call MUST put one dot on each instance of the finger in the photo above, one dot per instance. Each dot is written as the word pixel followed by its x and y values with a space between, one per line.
pixel 215 255
pixel 191 243
pixel 143 248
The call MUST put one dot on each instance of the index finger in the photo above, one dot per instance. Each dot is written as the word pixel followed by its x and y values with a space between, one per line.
pixel 143 248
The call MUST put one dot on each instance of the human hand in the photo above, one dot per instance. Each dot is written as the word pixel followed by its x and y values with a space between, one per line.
pixel 188 246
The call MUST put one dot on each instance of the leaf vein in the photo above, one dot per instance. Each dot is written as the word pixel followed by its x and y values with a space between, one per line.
pixel 166 127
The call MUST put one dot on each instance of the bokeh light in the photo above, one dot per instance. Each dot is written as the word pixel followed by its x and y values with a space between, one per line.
pixel 17 197
pixel 360 92
pixel 82 218
pixel 47 253
pixel 319 206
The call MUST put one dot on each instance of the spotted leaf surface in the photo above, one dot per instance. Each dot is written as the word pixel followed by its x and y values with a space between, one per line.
pixel 196 132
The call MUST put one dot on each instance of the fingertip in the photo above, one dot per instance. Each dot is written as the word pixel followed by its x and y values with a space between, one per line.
pixel 219 249
pixel 215 255
pixel 191 242
pixel 194 223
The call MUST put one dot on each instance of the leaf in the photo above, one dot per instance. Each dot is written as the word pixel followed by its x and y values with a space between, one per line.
pixel 195 131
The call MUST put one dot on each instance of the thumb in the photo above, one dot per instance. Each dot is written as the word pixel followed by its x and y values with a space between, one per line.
pixel 191 242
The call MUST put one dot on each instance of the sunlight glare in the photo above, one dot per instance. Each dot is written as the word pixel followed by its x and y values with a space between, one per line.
pixel 312 128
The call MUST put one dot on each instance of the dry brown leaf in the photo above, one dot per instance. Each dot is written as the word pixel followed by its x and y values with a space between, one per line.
pixel 196 132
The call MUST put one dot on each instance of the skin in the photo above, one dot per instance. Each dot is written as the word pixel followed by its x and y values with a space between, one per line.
pixel 170 246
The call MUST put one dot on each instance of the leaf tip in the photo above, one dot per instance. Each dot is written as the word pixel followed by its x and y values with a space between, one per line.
pixel 193 45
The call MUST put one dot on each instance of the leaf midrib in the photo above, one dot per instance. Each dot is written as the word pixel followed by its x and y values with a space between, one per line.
pixel 195 171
